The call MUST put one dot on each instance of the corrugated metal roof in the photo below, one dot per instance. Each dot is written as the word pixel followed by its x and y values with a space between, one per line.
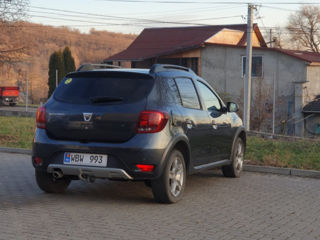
pixel 154 42
pixel 307 56
pixel 312 107
pixel 302 55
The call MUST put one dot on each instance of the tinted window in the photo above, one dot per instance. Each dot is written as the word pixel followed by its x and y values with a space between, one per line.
pixel 210 99
pixel 173 93
pixel 188 93
pixel 81 90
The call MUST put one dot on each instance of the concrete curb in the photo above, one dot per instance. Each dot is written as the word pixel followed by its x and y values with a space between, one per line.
pixel 247 167
pixel 282 171
pixel 15 150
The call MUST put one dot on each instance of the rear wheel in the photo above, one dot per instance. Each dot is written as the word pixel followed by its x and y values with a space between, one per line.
pixel 49 184
pixel 170 186
pixel 12 104
pixel 237 157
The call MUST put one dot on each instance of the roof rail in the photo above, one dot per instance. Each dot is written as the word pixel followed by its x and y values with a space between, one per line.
pixel 164 67
pixel 92 66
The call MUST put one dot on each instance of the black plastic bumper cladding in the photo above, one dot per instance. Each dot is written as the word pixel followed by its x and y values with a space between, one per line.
pixel 140 150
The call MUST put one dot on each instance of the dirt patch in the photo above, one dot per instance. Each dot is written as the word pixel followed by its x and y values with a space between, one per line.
pixel 8 139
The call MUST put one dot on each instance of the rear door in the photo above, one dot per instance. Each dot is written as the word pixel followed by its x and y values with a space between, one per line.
pixel 195 121
pixel 97 106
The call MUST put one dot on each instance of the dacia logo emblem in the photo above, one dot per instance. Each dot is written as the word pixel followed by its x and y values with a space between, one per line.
pixel 87 117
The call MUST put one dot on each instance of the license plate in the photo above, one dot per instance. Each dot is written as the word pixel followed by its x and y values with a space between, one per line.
pixel 85 159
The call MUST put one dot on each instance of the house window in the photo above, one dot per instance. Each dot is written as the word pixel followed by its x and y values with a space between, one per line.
pixel 257 69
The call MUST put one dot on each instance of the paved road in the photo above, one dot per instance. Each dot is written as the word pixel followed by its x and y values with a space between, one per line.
pixel 256 206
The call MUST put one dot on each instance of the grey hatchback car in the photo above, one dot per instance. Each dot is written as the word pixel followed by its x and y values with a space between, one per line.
pixel 155 125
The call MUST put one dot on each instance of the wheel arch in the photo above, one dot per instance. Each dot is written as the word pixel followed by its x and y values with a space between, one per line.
pixel 240 133
pixel 183 147
pixel 180 143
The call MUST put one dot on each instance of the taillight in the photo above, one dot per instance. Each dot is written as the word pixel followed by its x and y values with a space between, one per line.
pixel 145 167
pixel 41 117
pixel 37 161
pixel 151 121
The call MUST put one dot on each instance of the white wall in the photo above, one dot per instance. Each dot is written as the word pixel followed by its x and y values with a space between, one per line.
pixel 221 66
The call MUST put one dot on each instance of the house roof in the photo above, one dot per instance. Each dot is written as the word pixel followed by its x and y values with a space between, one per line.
pixel 155 42
pixel 306 56
pixel 302 55
pixel 312 107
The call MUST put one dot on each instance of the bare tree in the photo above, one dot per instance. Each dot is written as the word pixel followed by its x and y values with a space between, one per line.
pixel 12 12
pixel 304 28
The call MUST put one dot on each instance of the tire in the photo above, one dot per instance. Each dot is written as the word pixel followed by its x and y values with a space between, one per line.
pixel 49 184
pixel 12 104
pixel 237 157
pixel 170 186
pixel 147 183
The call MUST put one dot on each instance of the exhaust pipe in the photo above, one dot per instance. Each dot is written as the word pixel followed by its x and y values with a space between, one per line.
pixel 86 178
pixel 57 174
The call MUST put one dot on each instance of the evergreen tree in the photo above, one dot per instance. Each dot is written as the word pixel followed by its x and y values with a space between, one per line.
pixel 69 65
pixel 56 62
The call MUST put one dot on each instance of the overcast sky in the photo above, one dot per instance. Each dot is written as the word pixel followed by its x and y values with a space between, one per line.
pixel 87 14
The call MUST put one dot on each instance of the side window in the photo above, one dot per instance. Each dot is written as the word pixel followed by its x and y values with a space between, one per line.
pixel 210 99
pixel 173 93
pixel 188 93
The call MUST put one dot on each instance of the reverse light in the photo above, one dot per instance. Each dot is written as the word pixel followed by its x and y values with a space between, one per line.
pixel 151 121
pixel 145 167
pixel 41 117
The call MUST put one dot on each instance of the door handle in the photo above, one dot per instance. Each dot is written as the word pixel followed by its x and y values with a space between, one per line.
pixel 189 123
pixel 214 125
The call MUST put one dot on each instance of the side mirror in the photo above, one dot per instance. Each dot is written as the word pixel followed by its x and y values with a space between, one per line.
pixel 232 107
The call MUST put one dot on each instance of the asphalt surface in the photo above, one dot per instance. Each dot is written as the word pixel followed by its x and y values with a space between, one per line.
pixel 255 206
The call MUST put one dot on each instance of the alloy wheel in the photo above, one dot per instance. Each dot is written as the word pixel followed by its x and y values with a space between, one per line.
pixel 176 177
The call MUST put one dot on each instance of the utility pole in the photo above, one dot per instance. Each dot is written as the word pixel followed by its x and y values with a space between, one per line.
pixel 274 104
pixel 56 77
pixel 27 94
pixel 247 81
pixel 271 40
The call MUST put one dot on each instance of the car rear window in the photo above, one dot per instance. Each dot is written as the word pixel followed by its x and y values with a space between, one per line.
pixel 107 90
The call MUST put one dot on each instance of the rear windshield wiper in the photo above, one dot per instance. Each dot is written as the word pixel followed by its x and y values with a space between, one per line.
pixel 102 99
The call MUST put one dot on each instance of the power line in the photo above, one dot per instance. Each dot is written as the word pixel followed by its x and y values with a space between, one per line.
pixel 153 21
pixel 279 8
pixel 206 2
pixel 108 17
pixel 84 21
pixel 181 11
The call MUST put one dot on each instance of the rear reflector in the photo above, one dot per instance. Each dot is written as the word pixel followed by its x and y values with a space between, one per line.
pixel 37 160
pixel 145 167
pixel 151 121
pixel 41 117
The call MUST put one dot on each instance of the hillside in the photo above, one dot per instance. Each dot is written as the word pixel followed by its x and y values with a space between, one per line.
pixel 39 41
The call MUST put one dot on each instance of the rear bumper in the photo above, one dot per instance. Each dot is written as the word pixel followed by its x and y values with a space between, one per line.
pixel 122 157
pixel 112 173
pixel 9 99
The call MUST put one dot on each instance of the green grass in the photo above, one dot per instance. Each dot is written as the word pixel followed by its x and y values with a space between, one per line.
pixel 29 105
pixel 301 154
pixel 16 132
